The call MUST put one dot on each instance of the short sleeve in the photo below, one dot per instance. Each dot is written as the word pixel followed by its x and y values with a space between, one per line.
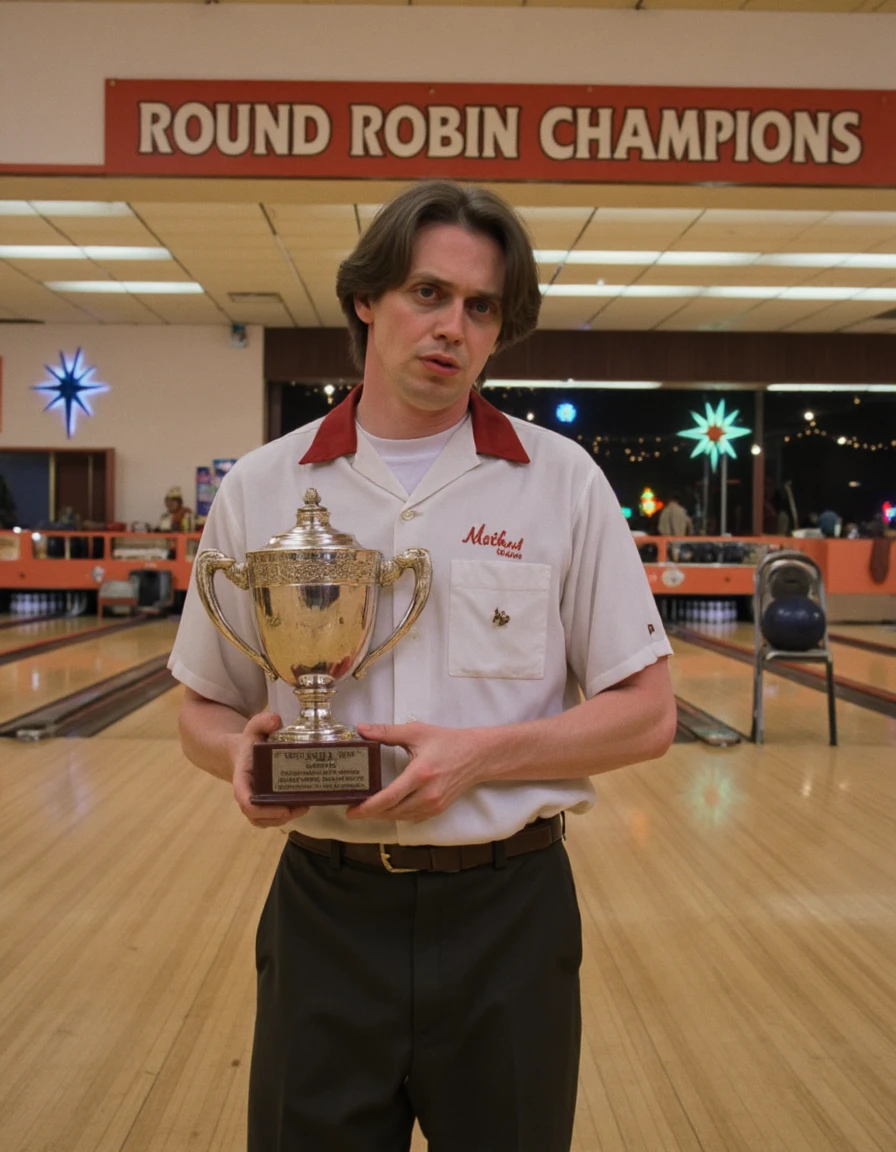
pixel 202 658
pixel 610 617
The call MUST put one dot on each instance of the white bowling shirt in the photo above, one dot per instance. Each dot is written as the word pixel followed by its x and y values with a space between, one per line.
pixel 517 520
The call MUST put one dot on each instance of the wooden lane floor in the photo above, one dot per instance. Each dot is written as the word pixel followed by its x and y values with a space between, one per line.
pixel 38 680
pixel 877 669
pixel 739 981
pixel 31 631
pixel 156 720
pixel 875 633
pixel 793 714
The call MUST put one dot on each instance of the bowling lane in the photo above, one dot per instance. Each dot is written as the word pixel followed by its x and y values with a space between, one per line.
pixel 31 631
pixel 156 720
pixel 793 714
pixel 38 680
pixel 876 669
pixel 874 633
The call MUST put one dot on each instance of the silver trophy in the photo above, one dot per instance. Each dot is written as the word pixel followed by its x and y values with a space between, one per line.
pixel 315 592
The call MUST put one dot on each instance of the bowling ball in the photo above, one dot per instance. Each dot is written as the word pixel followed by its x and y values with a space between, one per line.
pixel 794 624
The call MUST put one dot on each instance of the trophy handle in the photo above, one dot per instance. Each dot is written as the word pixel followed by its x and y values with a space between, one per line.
pixel 418 560
pixel 207 564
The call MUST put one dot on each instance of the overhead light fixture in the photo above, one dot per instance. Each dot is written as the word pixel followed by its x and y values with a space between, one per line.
pixel 631 290
pixel 81 208
pixel 699 259
pixel 124 252
pixel 636 385
pixel 721 291
pixel 831 388
pixel 137 287
pixel 87 252
pixel 40 252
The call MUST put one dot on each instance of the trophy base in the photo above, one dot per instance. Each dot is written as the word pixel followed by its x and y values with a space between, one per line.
pixel 299 774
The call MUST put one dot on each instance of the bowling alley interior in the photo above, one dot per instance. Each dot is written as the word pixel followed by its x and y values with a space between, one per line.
pixel 709 191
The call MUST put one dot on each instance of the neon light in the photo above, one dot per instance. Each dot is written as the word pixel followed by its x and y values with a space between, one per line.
pixel 715 433
pixel 566 413
pixel 649 503
pixel 70 383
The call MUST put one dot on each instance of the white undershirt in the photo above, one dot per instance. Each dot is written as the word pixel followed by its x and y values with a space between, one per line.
pixel 410 460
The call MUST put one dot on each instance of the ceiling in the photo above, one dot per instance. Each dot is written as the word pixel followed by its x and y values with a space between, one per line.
pixel 273 263
pixel 655 258
pixel 644 5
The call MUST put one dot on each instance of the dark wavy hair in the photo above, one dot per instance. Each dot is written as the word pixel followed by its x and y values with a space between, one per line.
pixel 382 259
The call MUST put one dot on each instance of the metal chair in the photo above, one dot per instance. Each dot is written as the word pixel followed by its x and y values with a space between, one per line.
pixel 778 576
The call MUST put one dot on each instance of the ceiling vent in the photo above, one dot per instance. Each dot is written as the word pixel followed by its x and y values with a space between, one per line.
pixel 256 297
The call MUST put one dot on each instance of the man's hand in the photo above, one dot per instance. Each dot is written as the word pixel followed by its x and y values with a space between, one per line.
pixel 444 764
pixel 261 815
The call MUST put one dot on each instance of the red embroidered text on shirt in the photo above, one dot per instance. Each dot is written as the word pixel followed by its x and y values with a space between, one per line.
pixel 512 549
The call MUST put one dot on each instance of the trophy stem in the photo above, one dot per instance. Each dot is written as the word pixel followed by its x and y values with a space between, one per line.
pixel 315 722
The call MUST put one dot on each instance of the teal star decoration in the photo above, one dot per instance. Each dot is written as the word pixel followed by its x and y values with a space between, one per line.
pixel 70 383
pixel 714 433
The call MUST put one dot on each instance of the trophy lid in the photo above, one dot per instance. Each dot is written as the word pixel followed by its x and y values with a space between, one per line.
pixel 312 530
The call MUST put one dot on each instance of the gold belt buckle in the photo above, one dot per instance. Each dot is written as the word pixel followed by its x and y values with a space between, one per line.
pixel 387 863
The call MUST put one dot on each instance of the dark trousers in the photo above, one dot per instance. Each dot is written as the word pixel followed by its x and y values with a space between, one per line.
pixel 449 997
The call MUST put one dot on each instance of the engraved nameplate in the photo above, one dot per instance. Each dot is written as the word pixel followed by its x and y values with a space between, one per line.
pixel 319 769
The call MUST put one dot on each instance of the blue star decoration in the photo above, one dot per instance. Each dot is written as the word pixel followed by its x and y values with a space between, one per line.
pixel 714 433
pixel 70 383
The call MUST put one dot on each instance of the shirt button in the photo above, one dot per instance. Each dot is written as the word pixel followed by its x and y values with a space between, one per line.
pixel 408 514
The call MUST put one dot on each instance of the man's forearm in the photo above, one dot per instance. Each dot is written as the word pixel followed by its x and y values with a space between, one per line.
pixel 208 734
pixel 624 725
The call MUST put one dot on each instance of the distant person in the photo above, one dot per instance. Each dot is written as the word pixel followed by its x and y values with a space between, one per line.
pixel 177 517
pixel 674 520
pixel 830 523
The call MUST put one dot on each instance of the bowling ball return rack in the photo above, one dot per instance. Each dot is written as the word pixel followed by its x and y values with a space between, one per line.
pixel 782 576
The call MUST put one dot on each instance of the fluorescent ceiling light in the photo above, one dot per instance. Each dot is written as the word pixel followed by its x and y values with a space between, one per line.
pixel 16 208
pixel 81 208
pixel 610 256
pixel 719 259
pixel 721 291
pixel 637 385
pixel 139 287
pixel 40 252
pixel 831 388
pixel 619 290
pixel 829 259
pixel 87 252
pixel 708 259
pixel 123 252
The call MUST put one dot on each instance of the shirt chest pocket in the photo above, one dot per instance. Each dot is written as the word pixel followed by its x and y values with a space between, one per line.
pixel 498 619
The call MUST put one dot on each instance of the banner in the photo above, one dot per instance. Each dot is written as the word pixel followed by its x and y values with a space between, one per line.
pixel 507 132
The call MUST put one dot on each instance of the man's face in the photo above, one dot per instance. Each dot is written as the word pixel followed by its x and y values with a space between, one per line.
pixel 429 338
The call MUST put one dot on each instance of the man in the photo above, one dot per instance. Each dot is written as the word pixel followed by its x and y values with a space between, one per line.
pixel 177 517
pixel 674 521
pixel 448 992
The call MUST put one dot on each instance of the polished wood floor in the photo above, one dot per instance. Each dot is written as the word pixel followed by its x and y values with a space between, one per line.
pixel 739 915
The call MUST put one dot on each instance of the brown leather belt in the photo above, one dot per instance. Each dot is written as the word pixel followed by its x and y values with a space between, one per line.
pixel 438 857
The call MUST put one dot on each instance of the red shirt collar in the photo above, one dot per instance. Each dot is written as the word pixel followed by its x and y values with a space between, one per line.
pixel 337 436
